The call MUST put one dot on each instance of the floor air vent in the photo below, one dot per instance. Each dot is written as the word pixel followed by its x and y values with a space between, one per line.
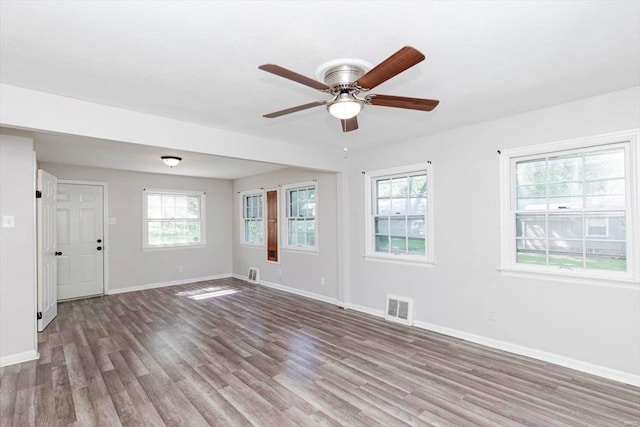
pixel 399 309
pixel 254 275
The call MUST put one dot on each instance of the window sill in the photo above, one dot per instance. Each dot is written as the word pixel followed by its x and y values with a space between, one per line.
pixel 171 248
pixel 400 260
pixel 571 277
pixel 293 250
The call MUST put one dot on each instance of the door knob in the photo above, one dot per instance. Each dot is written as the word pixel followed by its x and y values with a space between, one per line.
pixel 99 248
pixel 99 240
pixel 58 253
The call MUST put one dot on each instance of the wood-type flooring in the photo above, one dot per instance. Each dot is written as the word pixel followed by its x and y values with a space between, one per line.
pixel 228 353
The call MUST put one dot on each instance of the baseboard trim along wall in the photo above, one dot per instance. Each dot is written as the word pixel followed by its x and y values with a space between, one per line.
pixel 164 284
pixel 291 290
pixel 544 356
pixel 19 358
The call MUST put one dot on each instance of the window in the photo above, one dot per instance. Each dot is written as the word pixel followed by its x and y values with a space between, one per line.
pixel 570 209
pixel 301 214
pixel 252 218
pixel 173 219
pixel 399 214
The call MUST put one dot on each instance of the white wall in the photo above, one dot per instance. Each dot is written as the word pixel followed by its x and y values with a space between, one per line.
pixel 599 325
pixel 300 270
pixel 17 249
pixel 129 266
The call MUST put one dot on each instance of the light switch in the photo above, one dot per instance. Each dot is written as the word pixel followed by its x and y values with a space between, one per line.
pixel 8 221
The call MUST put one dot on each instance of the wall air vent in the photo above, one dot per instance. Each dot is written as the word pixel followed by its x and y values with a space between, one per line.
pixel 254 275
pixel 399 309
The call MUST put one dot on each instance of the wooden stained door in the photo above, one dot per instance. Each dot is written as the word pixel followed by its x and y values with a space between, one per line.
pixel 272 225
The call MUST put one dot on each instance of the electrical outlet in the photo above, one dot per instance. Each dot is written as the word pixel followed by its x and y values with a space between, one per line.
pixel 322 281
pixel 180 269
pixel 491 315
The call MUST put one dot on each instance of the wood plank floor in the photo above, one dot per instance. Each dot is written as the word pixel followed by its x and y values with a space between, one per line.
pixel 227 353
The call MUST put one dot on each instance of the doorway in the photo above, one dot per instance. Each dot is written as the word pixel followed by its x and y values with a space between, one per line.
pixel 81 234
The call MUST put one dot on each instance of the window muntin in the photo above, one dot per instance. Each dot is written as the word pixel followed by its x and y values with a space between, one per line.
pixel 570 209
pixel 252 218
pixel 399 225
pixel 300 213
pixel 173 219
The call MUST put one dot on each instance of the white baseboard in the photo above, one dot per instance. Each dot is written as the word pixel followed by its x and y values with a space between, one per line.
pixel 291 290
pixel 19 358
pixel 163 284
pixel 578 365
pixel 567 362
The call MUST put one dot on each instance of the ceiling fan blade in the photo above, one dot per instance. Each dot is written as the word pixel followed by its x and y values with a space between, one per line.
pixel 402 102
pixel 294 109
pixel 349 124
pixel 405 58
pixel 299 78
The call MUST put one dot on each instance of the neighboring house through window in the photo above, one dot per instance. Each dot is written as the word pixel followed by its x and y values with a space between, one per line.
pixel 569 207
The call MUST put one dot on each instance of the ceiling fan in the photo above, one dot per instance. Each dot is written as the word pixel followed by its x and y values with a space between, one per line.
pixel 345 80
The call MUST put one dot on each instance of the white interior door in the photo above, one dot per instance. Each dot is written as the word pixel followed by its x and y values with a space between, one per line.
pixel 80 239
pixel 47 250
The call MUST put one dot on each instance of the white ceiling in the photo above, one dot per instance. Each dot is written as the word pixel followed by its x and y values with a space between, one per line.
pixel 92 152
pixel 198 61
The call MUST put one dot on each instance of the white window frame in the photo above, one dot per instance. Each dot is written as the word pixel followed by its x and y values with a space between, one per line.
pixel 370 253
pixel 315 249
pixel 243 195
pixel 203 220
pixel 509 266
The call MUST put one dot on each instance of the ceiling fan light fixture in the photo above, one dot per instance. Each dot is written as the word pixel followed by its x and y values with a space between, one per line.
pixel 171 161
pixel 345 107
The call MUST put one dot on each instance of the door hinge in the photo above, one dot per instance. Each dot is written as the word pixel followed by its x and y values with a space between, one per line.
pixel 39 315
pixel 38 194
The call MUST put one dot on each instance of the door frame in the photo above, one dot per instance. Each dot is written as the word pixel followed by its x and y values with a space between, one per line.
pixel 105 225
pixel 278 219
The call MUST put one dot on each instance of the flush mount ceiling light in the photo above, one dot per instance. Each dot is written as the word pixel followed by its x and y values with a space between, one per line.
pixel 345 106
pixel 171 161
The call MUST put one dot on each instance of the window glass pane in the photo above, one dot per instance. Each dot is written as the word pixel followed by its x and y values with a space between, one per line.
pixel 258 231
pixel 398 245
pixel 181 207
pixel 382 244
pixel 531 172
pixel 565 226
pixel 610 225
pixel 311 194
pixel 399 187
pixel 384 206
pixel 181 231
pixel 566 189
pixel 606 255
pixel 168 206
pixel 532 204
pixel 398 226
pixel 154 206
pixel 565 169
pixel 382 225
pixel 531 251
pixel 293 210
pixel 168 232
pixel 155 232
pixel 311 237
pixel 193 232
pixel 193 207
pixel 415 227
pixel 573 260
pixel 293 196
pixel 525 191
pixel 416 246
pixel 610 186
pixel 565 247
pixel 417 205
pixel 384 188
pixel 604 165
pixel 302 195
pixel 605 202
pixel 399 206
pixel 530 226
pixel 418 185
